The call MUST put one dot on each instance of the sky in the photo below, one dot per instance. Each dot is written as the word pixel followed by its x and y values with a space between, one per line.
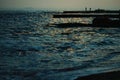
pixel 59 4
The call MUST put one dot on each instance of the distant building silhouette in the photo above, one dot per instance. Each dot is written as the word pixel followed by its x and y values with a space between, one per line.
pixel 90 9
pixel 85 8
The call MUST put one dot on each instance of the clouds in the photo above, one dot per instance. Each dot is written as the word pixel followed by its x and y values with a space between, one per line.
pixel 60 4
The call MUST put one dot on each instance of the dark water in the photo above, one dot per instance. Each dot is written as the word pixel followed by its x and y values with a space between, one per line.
pixel 32 50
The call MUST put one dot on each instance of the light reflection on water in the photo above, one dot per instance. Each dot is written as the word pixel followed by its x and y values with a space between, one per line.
pixel 32 50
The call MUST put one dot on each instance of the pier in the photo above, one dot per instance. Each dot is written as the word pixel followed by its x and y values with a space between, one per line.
pixel 95 11
pixel 85 15
pixel 100 18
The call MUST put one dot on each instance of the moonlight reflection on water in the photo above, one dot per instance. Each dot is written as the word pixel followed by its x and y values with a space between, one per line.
pixel 29 49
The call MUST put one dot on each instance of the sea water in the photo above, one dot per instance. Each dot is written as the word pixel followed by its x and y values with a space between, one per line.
pixel 30 49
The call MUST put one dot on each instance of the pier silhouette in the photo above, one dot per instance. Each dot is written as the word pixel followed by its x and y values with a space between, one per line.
pixel 101 18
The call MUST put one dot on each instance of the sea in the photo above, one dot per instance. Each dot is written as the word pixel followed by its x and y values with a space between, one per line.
pixel 32 49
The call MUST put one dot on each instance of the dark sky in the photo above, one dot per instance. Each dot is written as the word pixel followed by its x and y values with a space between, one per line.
pixel 59 4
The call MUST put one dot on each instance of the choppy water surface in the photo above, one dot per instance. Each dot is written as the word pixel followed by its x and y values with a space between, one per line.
pixel 32 50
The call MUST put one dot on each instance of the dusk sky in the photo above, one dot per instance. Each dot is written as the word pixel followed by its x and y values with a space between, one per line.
pixel 59 4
